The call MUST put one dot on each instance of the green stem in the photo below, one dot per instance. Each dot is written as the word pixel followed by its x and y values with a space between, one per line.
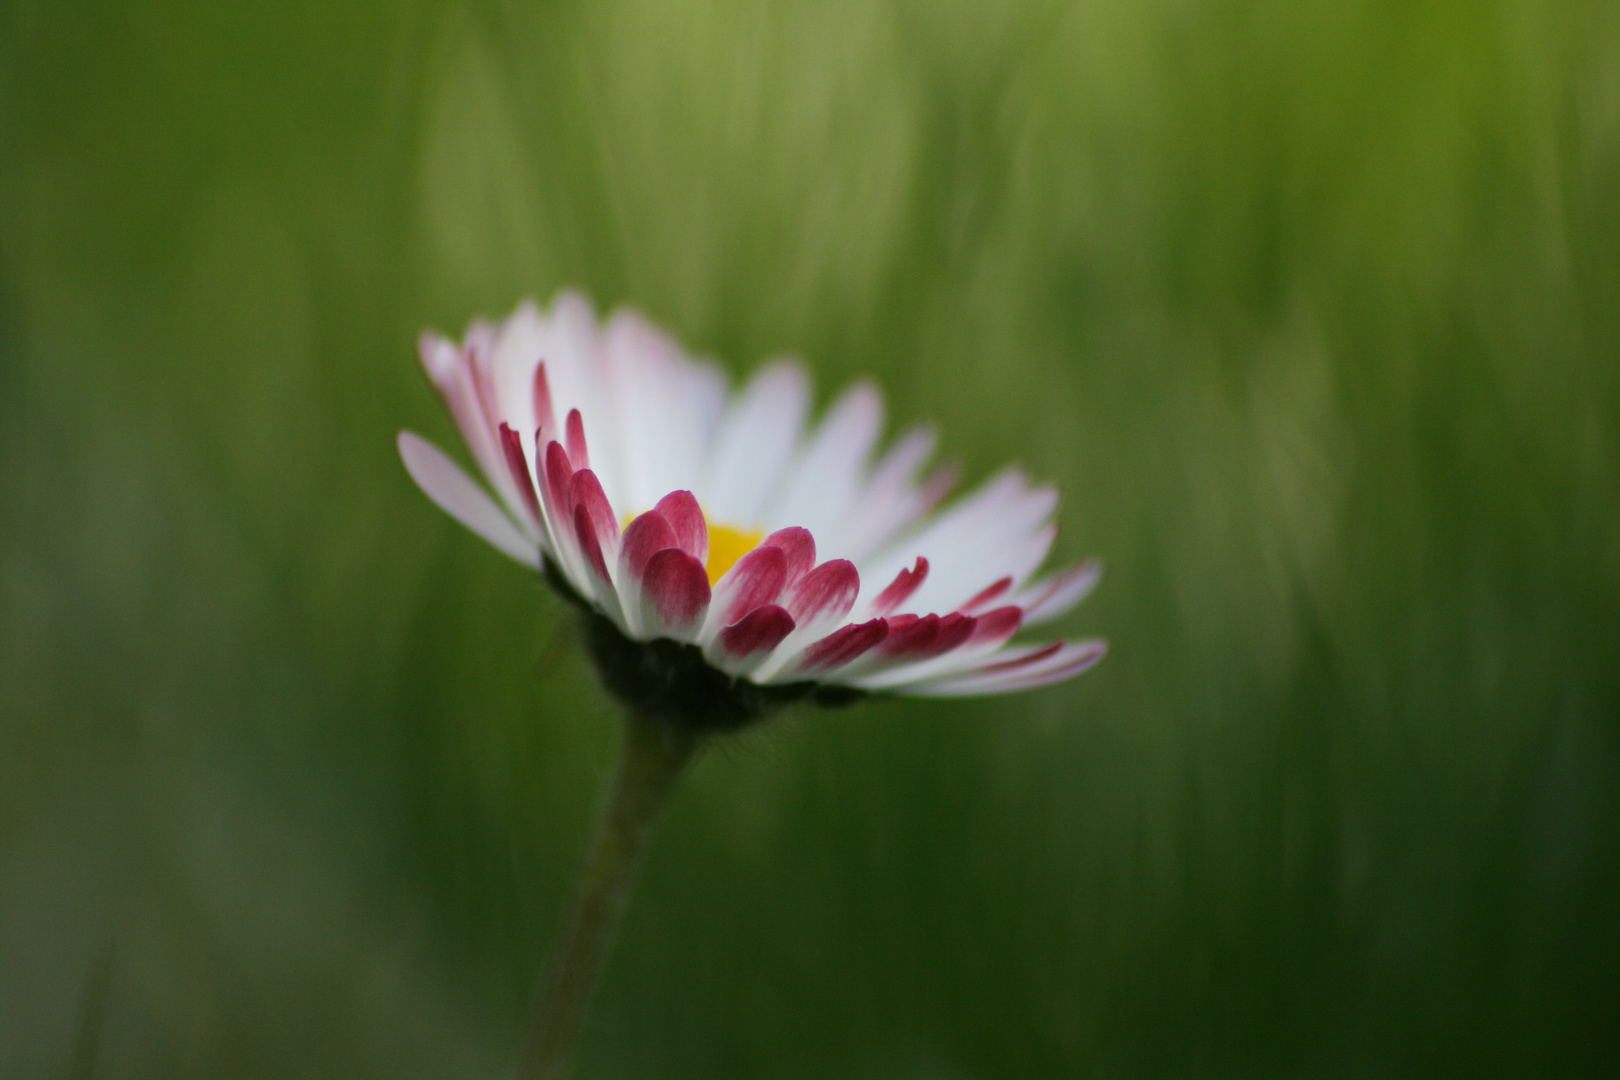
pixel 651 757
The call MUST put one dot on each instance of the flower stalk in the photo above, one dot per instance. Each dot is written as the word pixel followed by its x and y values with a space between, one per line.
pixel 652 756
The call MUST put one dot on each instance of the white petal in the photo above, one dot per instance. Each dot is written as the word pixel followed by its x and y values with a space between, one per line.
pixel 892 500
pixel 830 473
pixel 754 445
pixel 514 354
pixel 668 407
pixel 457 495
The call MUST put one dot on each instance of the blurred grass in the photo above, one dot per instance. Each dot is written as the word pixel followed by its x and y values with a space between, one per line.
pixel 1310 309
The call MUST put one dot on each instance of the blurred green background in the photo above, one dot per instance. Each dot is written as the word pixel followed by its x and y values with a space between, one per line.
pixel 1311 309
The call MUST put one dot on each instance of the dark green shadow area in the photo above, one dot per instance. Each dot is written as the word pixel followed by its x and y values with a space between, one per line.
pixel 1311 309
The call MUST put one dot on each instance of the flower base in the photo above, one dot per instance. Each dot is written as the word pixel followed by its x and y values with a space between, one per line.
pixel 671 683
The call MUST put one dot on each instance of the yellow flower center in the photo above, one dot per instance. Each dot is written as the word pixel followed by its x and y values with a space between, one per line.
pixel 727 545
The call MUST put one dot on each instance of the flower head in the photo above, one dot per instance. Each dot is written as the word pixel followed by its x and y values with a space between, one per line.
pixel 727 556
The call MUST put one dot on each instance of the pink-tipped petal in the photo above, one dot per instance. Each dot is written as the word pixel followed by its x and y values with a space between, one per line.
pixel 1045 600
pixel 1079 657
pixel 755 581
pixel 1082 656
pixel 589 546
pixel 842 646
pixel 647 536
pixel 479 342
pixel 577 454
pixel 912 640
pixel 799 547
pixel 900 589
pixel 819 602
pixel 681 510
pixel 556 514
pixel 986 595
pixel 1033 656
pixel 559 473
pixel 450 368
pixel 585 493
pixel 760 631
pixel 512 448
pixel 457 495
pixel 826 593
pixel 541 394
pixel 910 637
pixel 1055 666
pixel 964 641
pixel 996 626
pixel 676 591
pixel 954 629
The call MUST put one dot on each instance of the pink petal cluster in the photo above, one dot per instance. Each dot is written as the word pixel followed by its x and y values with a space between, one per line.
pixel 910 600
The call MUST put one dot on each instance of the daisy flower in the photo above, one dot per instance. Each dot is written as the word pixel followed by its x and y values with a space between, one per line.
pixel 727 558
pixel 729 555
